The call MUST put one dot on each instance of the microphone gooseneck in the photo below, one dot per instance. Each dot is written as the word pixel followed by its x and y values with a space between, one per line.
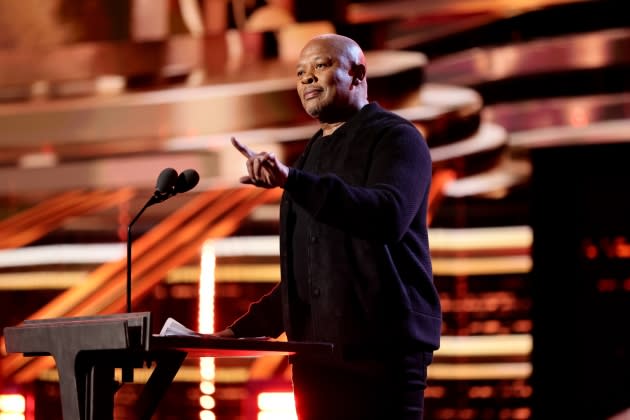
pixel 167 185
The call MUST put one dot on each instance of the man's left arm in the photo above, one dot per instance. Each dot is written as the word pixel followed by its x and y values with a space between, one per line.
pixel 398 180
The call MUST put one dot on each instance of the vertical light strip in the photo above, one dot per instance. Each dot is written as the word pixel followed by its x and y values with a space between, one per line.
pixel 206 326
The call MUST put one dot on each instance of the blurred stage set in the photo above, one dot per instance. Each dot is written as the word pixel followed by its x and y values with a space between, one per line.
pixel 525 105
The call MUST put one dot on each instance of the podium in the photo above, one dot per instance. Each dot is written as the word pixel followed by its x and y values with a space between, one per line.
pixel 87 350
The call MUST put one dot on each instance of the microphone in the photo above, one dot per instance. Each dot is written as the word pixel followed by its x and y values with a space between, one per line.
pixel 164 187
pixel 186 181
pixel 168 184
pixel 166 180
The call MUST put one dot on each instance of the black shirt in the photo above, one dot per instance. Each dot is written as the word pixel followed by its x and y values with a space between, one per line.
pixel 301 220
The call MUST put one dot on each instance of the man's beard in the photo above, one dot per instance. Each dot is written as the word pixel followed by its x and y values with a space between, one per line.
pixel 314 109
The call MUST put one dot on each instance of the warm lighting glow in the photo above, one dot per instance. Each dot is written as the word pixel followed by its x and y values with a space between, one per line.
pixel 489 137
pixel 207 415
pixel 440 238
pixel 491 183
pixel 276 416
pixel 61 254
pixel 479 371
pixel 485 345
pixel 447 239
pixel 206 288
pixel 248 272
pixel 609 131
pixel 207 387
pixel 12 404
pixel 275 401
pixel 276 406
pixel 207 369
pixel 111 84
pixel 578 116
pixel 11 416
pixel 105 252
pixel 207 402
pixel 481 265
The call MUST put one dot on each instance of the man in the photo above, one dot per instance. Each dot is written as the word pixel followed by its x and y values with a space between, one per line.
pixel 355 263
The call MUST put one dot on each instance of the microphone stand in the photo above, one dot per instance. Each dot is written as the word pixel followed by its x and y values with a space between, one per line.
pixel 168 184
pixel 157 197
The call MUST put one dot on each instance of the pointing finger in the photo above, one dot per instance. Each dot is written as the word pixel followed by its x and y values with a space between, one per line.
pixel 245 151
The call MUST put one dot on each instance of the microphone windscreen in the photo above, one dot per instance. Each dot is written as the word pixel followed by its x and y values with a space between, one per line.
pixel 166 180
pixel 187 180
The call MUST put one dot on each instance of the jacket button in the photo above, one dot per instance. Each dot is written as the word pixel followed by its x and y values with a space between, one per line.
pixel 316 292
pixel 313 239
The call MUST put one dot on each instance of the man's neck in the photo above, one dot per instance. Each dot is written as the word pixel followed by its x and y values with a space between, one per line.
pixel 329 128
pixel 329 125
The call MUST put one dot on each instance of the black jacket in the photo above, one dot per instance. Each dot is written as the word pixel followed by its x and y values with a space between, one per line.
pixel 369 263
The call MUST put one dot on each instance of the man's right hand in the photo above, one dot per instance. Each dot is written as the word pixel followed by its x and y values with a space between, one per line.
pixel 226 333
pixel 264 168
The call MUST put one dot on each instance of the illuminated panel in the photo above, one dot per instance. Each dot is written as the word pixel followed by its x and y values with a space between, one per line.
pixel 485 345
pixel 484 238
pixel 276 406
pixel 482 265
pixel 15 407
pixel 441 239
pixel 11 416
pixel 482 369
pixel 459 371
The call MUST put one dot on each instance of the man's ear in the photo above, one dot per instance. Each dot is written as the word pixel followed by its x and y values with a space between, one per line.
pixel 358 73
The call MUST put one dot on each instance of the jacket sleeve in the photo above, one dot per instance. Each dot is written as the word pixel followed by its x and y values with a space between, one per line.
pixel 264 317
pixel 398 179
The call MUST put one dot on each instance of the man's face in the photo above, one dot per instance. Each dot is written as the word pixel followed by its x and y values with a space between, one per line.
pixel 323 79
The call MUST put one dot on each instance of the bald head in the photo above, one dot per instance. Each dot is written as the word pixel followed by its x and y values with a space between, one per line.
pixel 342 46
pixel 332 80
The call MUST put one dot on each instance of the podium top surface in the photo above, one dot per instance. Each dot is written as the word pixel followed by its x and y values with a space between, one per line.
pixel 211 346
pixel 131 332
